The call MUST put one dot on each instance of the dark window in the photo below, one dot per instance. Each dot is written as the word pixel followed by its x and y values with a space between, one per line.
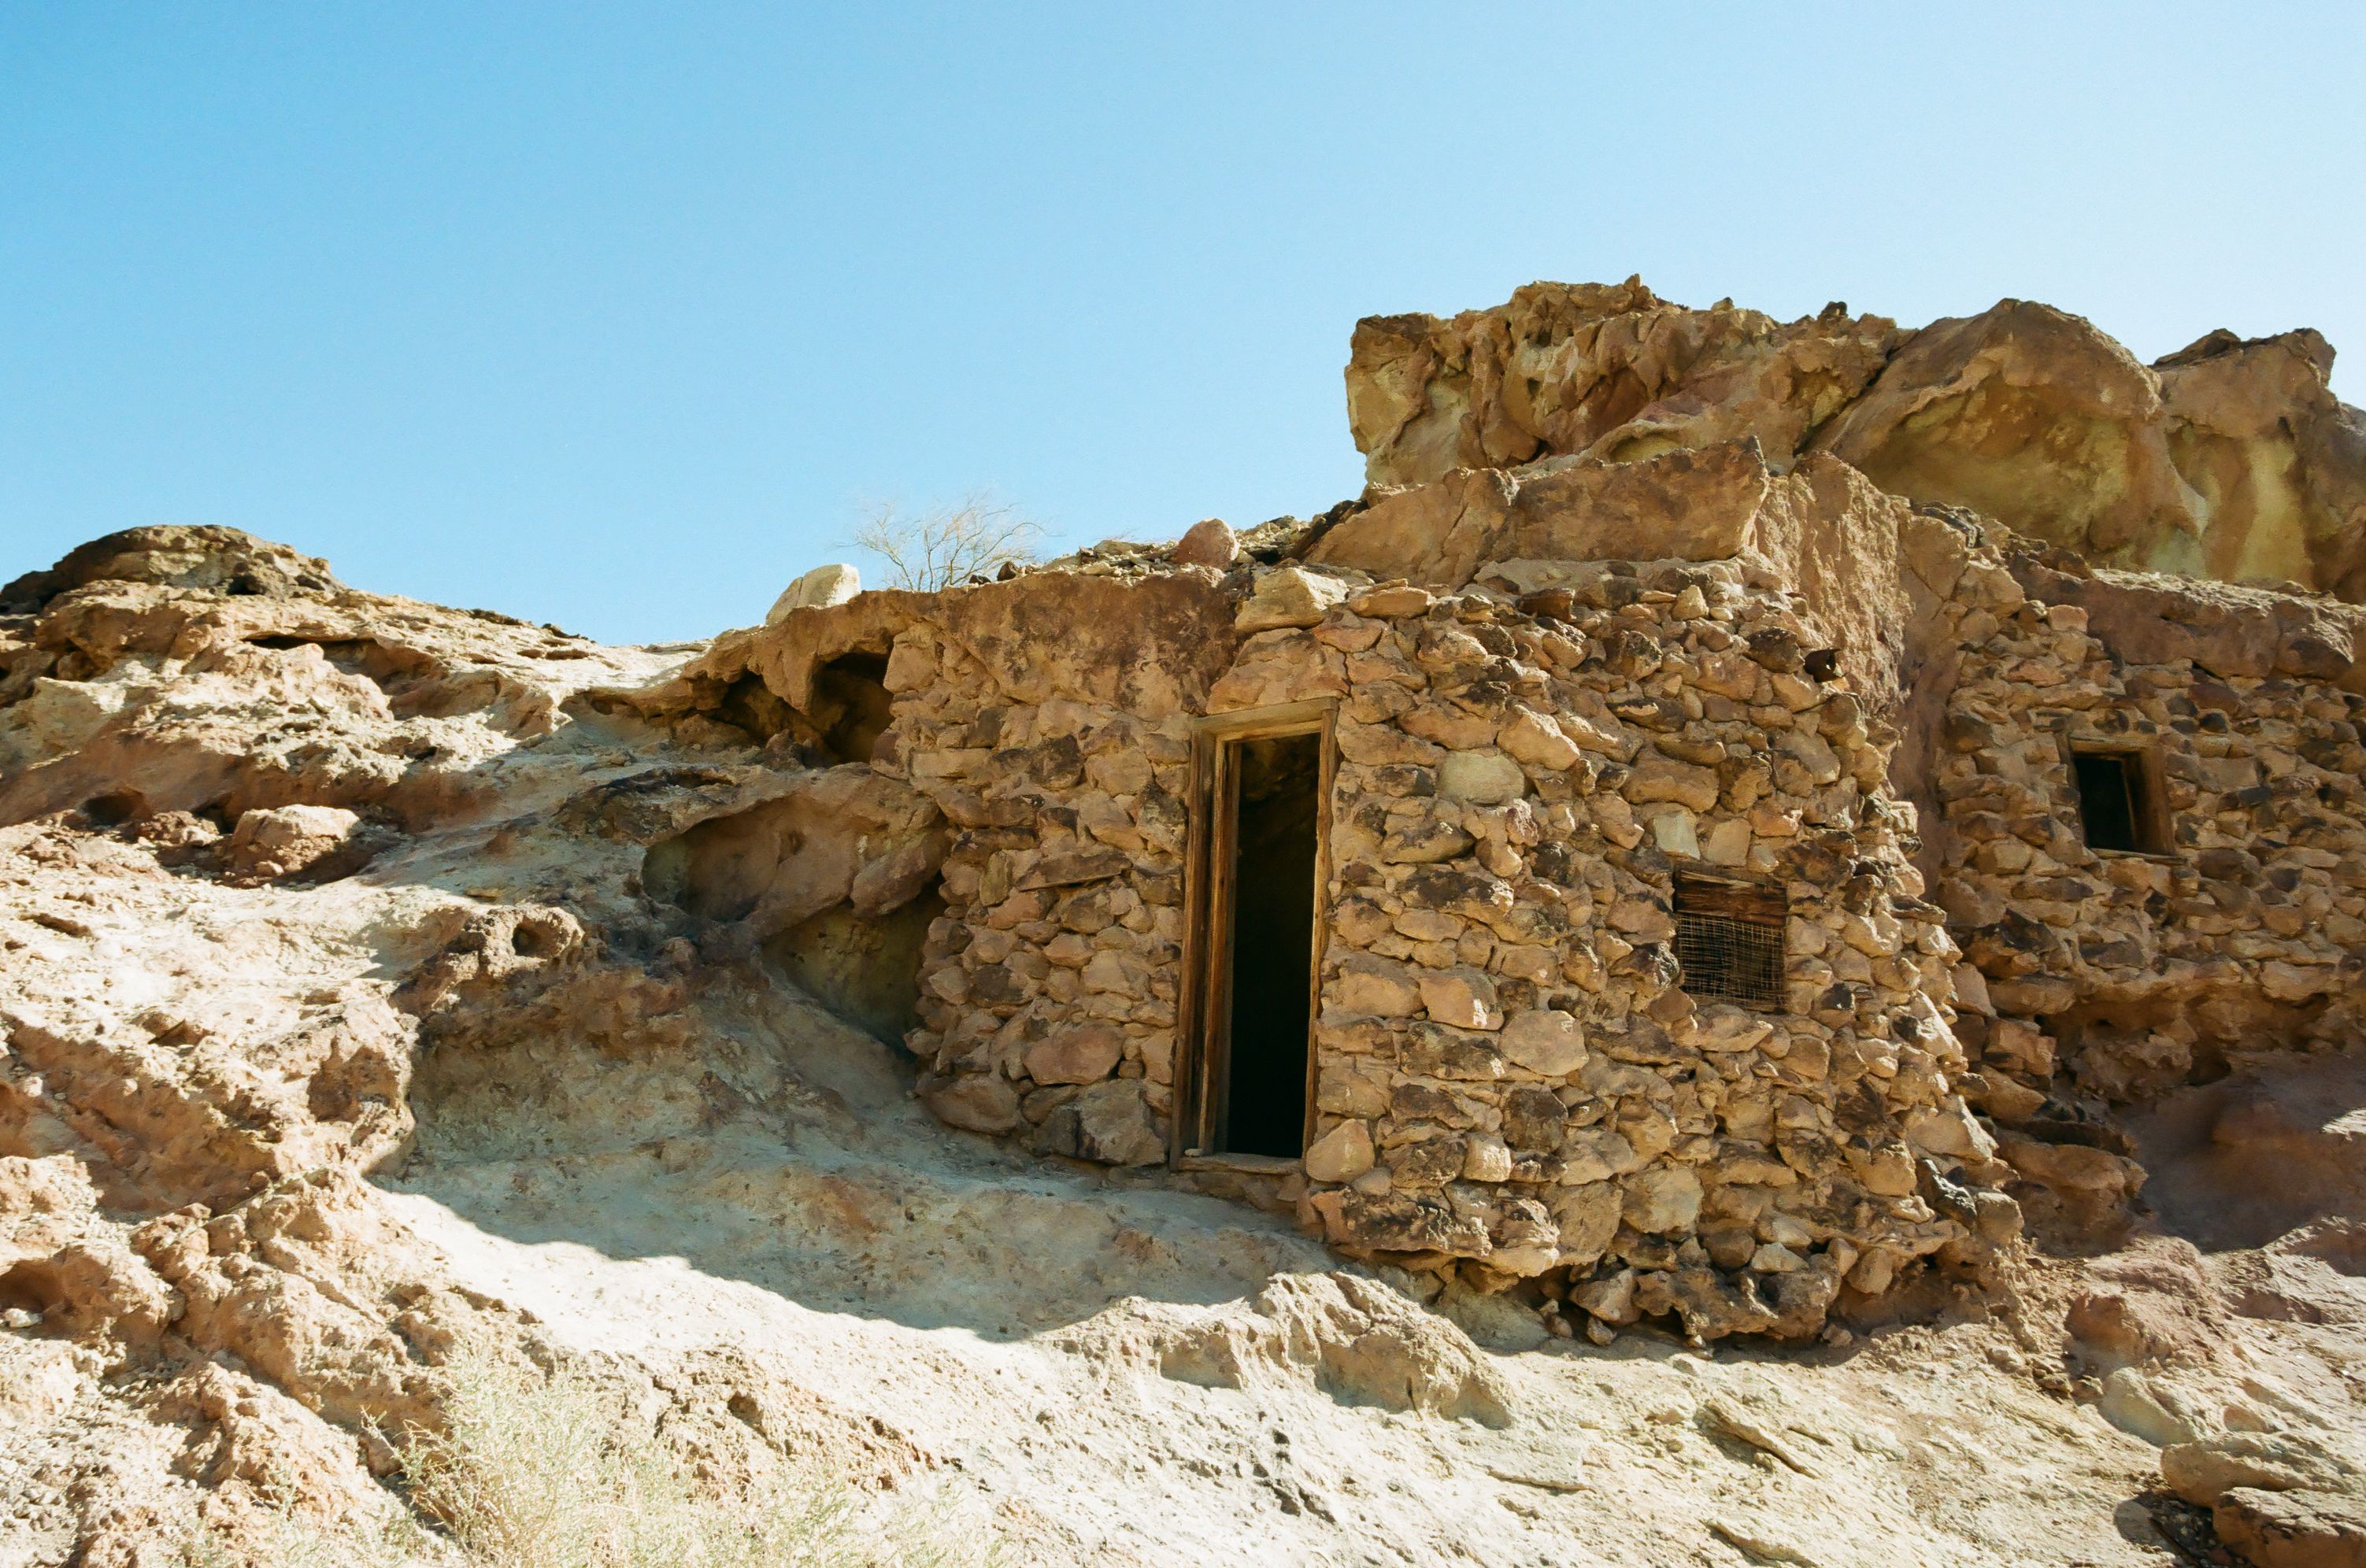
pixel 1277 794
pixel 1729 939
pixel 2114 810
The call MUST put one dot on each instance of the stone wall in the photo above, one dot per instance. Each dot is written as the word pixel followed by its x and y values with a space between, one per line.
pixel 1512 1080
pixel 1832 688
pixel 1509 1071
pixel 1510 1077
pixel 2135 972
pixel 1049 987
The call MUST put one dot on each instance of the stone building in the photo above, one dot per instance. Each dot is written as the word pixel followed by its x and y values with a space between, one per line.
pixel 1630 849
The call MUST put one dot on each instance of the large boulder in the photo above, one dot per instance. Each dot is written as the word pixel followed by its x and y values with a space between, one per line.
pixel 323 842
pixel 1691 505
pixel 2279 461
pixel 818 589
pixel 2206 1472
pixel 1816 523
pixel 2230 460
pixel 834 836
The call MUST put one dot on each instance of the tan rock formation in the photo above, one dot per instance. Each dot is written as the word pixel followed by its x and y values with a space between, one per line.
pixel 2230 459
pixel 2294 1529
pixel 1595 370
pixel 2277 461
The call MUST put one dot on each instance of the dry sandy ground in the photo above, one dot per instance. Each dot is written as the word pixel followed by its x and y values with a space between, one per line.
pixel 1011 1327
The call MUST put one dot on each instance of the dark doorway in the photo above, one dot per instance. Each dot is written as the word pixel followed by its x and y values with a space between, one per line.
pixel 2113 809
pixel 1276 784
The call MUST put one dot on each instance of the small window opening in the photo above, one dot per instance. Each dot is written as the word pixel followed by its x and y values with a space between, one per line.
pixel 1729 939
pixel 2115 801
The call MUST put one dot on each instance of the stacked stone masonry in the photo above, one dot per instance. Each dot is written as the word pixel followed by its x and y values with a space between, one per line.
pixel 1864 708
pixel 1509 1071
pixel 2243 931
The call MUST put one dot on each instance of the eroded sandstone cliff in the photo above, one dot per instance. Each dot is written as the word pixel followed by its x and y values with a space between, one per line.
pixel 2229 459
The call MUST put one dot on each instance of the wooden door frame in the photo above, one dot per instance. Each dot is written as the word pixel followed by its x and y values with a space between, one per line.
pixel 2154 819
pixel 1203 1038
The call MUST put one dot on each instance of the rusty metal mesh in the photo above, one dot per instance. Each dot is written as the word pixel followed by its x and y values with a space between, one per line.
pixel 1732 959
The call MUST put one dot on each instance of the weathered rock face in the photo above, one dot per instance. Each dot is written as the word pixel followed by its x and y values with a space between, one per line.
pixel 2294 1529
pixel 1596 370
pixel 839 836
pixel 222 560
pixel 163 664
pixel 2279 463
pixel 832 878
pixel 2230 460
pixel 2029 415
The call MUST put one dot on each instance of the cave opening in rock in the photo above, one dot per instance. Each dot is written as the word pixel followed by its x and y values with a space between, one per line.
pixel 32 1287
pixel 864 968
pixel 115 809
pixel 1259 939
pixel 851 704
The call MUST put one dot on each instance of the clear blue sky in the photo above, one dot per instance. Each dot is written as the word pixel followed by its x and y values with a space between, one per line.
pixel 612 315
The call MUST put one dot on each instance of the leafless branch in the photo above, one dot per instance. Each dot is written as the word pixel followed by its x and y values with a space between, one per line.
pixel 946 545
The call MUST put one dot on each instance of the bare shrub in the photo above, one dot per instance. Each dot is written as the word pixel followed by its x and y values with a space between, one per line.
pixel 556 1472
pixel 947 545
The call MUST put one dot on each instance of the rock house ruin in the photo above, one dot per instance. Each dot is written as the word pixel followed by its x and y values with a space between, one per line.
pixel 1702 834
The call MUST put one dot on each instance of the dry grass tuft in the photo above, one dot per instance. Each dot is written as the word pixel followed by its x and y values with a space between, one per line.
pixel 555 1471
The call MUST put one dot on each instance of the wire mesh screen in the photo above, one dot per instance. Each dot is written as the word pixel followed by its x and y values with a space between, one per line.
pixel 1732 959
pixel 1730 940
